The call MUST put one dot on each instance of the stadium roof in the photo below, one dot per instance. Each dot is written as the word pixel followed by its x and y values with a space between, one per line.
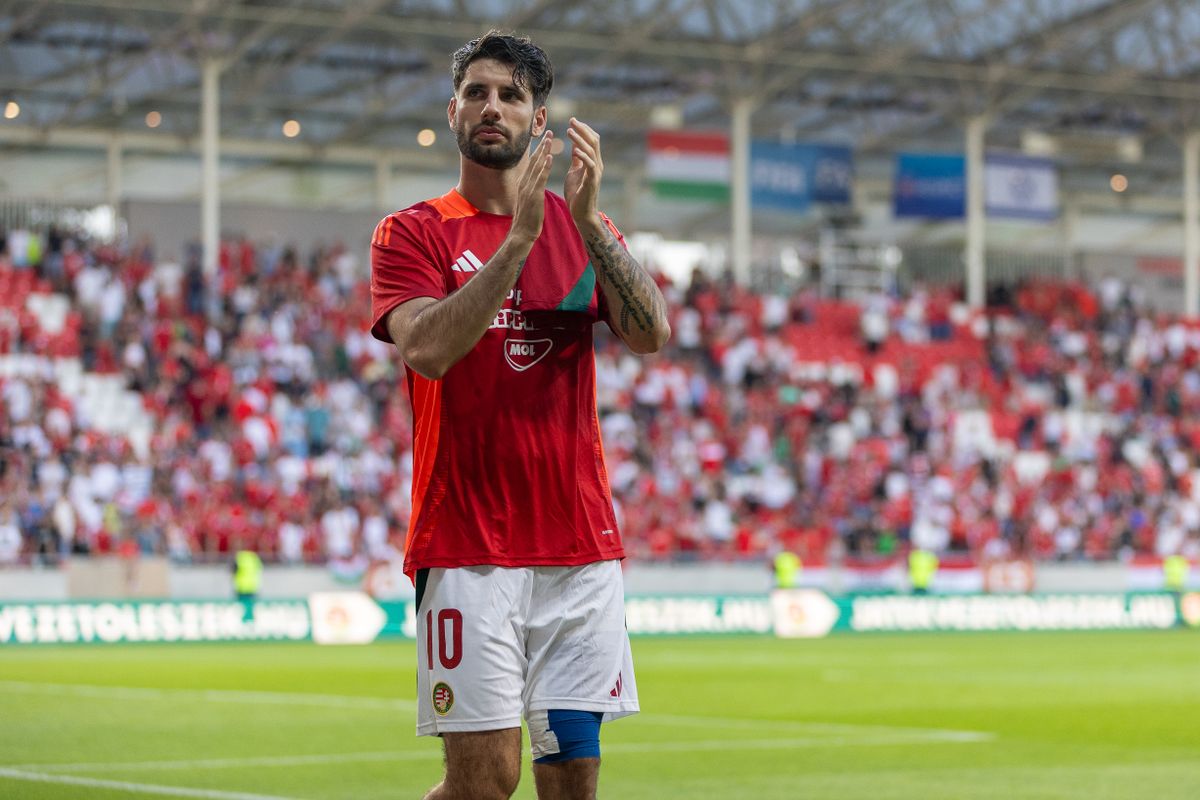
pixel 1099 81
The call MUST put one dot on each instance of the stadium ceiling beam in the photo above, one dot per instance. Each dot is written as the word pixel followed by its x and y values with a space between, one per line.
pixel 417 159
pixel 76 68
pixel 885 59
pixel 22 23
pixel 1117 79
pixel 637 38
pixel 731 14
pixel 713 9
pixel 262 76
pixel 1114 16
pixel 787 36
pixel 691 52
pixel 374 119
pixel 1048 37
pixel 787 33
pixel 166 39
pixel 289 104
pixel 231 147
pixel 527 16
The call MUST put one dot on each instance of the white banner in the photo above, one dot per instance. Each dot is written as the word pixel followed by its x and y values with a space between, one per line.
pixel 1021 188
pixel 1022 613
pixel 803 613
pixel 697 615
pixel 345 618
pixel 112 622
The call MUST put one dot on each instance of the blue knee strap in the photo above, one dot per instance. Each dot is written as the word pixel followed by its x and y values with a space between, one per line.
pixel 578 734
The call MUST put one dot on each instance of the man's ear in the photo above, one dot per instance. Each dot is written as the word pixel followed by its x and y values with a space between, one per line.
pixel 450 109
pixel 539 121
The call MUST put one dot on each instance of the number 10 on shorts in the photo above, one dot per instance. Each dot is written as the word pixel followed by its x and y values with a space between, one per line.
pixel 449 630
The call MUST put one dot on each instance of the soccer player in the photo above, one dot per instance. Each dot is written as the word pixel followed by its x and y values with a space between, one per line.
pixel 490 293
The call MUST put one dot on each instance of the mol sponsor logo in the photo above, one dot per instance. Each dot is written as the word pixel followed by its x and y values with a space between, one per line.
pixel 521 354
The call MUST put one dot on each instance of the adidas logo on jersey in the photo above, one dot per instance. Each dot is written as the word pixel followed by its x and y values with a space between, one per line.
pixel 467 262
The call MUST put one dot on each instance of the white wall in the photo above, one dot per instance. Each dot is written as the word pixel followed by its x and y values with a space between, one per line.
pixel 214 582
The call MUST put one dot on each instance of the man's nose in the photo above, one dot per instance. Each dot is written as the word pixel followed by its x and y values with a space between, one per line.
pixel 491 107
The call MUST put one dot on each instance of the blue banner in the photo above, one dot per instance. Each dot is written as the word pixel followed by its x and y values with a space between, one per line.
pixel 930 186
pixel 832 174
pixel 790 177
pixel 780 177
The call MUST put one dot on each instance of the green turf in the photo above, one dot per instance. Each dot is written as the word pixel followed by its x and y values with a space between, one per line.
pixel 961 717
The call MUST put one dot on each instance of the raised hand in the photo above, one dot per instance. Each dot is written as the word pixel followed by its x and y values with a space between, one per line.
pixel 530 208
pixel 583 178
pixel 638 312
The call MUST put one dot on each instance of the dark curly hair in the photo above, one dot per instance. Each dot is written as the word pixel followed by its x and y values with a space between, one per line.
pixel 531 67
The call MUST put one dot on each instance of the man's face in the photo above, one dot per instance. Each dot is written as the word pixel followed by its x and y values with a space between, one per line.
pixel 493 118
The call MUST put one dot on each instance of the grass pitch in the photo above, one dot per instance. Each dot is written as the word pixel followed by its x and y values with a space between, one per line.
pixel 917 717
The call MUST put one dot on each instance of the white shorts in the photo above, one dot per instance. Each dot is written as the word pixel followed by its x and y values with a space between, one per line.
pixel 495 644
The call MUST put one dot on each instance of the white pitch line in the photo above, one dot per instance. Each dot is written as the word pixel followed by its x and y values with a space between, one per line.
pixel 136 788
pixel 794 743
pixel 211 696
pixel 651 718
pixel 234 763
pixel 395 704
pixel 775 744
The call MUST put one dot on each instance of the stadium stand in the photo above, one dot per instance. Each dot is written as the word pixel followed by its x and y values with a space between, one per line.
pixel 151 411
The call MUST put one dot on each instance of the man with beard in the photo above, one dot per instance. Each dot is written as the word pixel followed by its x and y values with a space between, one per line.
pixel 490 293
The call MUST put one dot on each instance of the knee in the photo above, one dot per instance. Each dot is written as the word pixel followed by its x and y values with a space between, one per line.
pixel 496 781
pixel 502 782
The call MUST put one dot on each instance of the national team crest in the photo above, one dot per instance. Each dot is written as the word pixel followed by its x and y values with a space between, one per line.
pixel 443 698
pixel 522 354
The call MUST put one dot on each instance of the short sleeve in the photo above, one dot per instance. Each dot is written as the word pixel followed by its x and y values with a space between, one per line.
pixel 401 269
pixel 613 228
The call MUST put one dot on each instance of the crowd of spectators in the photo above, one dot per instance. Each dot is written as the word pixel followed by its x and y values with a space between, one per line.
pixel 1060 423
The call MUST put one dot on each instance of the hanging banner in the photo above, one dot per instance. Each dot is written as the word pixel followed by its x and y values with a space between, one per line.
pixel 1018 187
pixel 688 165
pixel 791 177
pixel 930 186
pixel 832 173
pixel 780 176
pixel 1015 187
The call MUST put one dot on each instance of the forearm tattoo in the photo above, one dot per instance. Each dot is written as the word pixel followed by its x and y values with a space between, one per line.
pixel 641 302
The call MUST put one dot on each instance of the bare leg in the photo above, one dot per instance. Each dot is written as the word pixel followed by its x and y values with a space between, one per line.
pixel 567 780
pixel 484 765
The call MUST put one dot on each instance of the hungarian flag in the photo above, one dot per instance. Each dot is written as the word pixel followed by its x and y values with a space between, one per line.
pixel 688 165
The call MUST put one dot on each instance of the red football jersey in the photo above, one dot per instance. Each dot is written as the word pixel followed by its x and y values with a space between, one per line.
pixel 509 468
